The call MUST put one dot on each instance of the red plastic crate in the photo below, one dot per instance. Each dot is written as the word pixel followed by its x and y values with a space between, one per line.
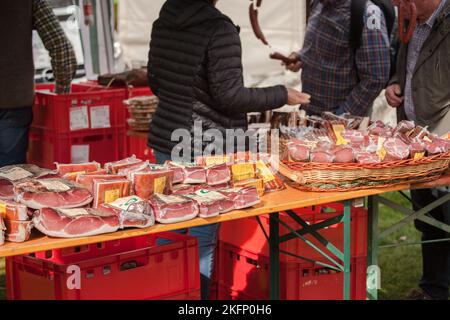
pixel 245 276
pixel 46 147
pixel 137 145
pixel 247 234
pixel 75 112
pixel 109 272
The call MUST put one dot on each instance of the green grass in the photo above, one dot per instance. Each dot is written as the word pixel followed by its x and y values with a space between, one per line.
pixel 400 267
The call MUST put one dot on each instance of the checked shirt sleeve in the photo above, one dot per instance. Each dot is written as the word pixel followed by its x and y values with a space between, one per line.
pixel 64 63
pixel 373 65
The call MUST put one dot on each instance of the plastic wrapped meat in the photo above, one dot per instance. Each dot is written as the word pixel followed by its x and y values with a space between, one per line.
pixel 257 183
pixel 395 149
pixel 106 191
pixel 404 126
pixel 367 157
pixel 70 171
pixel 322 156
pixel 183 189
pixel 211 203
pixel 87 180
pixel 242 197
pixel 355 138
pixel 271 180
pixel 417 150
pixel 299 152
pixel 114 167
pixel 343 154
pixel 243 171
pixel 13 211
pixel 74 223
pixel 133 212
pixel 178 172
pixel 18 231
pixel 173 208
pixel 194 174
pixel 51 193
pixel 211 188
pixel 140 167
pixel 218 174
pixel 147 183
pixel 438 145
pixel 10 175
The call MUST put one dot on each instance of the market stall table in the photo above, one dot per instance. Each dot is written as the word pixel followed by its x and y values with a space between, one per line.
pixel 272 204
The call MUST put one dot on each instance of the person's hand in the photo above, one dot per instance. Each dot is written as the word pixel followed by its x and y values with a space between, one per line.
pixel 296 97
pixel 393 95
pixel 294 67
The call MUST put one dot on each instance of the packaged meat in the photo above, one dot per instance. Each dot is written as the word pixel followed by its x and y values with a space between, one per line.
pixel 242 197
pixel 70 171
pixel 2 231
pixel 214 160
pixel 355 138
pixel 194 174
pixel 343 154
pixel 404 127
pixel 51 193
pixel 87 180
pixel 178 172
pixel 155 181
pixel 139 167
pixel 106 191
pixel 243 171
pixel 212 188
pixel 133 212
pixel 271 180
pixel 18 231
pixel 437 145
pixel 298 152
pixel 322 156
pixel 226 204
pixel 10 175
pixel 114 167
pixel 417 150
pixel 183 189
pixel 367 157
pixel 173 208
pixel 207 207
pixel 218 174
pixel 73 223
pixel 394 149
pixel 256 183
pixel 13 211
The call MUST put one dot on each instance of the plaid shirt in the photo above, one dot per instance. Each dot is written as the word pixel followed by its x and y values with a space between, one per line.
pixel 339 79
pixel 420 35
pixel 64 63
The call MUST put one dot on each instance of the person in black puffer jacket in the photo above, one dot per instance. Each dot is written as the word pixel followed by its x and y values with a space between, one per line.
pixel 195 70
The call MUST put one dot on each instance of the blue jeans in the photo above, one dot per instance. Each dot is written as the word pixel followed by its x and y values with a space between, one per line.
pixel 14 128
pixel 207 242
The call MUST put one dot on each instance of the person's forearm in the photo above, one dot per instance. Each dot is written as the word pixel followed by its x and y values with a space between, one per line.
pixel 362 97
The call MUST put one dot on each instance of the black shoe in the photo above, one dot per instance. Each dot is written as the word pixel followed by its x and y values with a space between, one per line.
pixel 418 294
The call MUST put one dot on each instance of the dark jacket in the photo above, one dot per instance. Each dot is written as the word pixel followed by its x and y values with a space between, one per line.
pixel 431 79
pixel 195 69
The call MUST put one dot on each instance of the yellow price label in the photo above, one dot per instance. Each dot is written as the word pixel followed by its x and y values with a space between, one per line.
pixel 338 128
pixel 381 151
pixel 243 171
pixel 3 210
pixel 214 160
pixel 112 195
pixel 264 171
pixel 419 155
pixel 159 185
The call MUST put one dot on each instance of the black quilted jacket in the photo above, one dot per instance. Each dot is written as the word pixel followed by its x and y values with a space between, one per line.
pixel 195 69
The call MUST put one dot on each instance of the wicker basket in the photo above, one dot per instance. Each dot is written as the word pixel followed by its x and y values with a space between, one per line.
pixel 353 176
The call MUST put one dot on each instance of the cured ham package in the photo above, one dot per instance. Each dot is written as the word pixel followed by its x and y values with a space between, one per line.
pixel 2 231
pixel 192 173
pixel 218 174
pixel 18 231
pixel 70 171
pixel 173 208
pixel 73 223
pixel 133 212
pixel 13 211
pixel 211 203
pixel 87 180
pixel 11 175
pixel 51 193
pixel 114 167
pixel 242 197
pixel 148 183
pixel 178 172
pixel 106 191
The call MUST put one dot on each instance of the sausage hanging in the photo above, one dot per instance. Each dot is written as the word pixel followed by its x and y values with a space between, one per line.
pixel 406 7
pixel 253 13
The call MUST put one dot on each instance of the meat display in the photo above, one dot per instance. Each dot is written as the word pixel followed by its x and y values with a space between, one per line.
pixel 13 211
pixel 217 174
pixel 183 189
pixel 106 191
pixel 395 149
pixel 173 208
pixel 343 154
pixel 139 167
pixel 18 231
pixel 299 152
pixel 242 197
pixel 133 212
pixel 2 231
pixel 155 181
pixel 114 167
pixel 178 172
pixel 243 171
pixel 51 193
pixel 211 203
pixel 10 175
pixel 70 171
pixel 194 174
pixel 73 223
